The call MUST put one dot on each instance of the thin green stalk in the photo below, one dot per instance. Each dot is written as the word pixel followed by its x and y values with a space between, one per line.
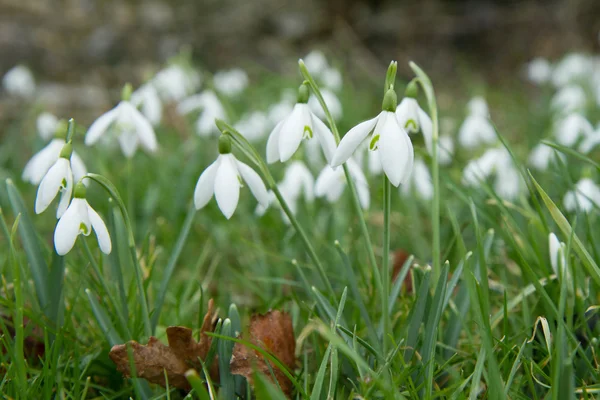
pixel 385 262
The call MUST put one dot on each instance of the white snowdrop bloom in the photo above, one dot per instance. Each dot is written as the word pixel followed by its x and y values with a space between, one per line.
pixel 332 101
pixel 46 125
pixel 18 81
pixel 413 119
pixel 279 111
pixel 590 141
pixel 224 177
pixel 210 109
pixel 420 181
pixel 388 138
pixel 508 181
pixel 571 68
pixel 539 71
pixel 232 82
pixel 301 123
pixel 331 183
pixel 446 149
pixel 554 245
pixel 58 179
pixel 130 127
pixel 476 128
pixel 584 197
pixel 542 155
pixel 40 163
pixel 80 218
pixel 315 62
pixel 253 126
pixel 176 82
pixel 146 98
pixel 571 128
pixel 568 99
pixel 331 78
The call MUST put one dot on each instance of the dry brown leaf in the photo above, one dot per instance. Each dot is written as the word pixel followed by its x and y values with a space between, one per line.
pixel 274 333
pixel 152 360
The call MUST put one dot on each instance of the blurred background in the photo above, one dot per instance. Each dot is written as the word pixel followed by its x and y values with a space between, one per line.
pixel 79 50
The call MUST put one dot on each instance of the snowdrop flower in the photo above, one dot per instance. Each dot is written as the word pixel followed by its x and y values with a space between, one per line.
pixel 59 178
pixel 175 82
pixel 333 103
pixel 568 130
pixel 420 181
pixel 253 126
pixel 556 249
pixel 568 99
pixel 539 71
pixel 287 135
pixel 211 109
pixel 146 98
pixel 128 124
pixel 315 62
pixel 331 78
pixel 571 68
pixel 18 81
pixel 232 82
pixel 223 178
pixel 388 139
pixel 477 128
pixel 584 197
pixel 46 125
pixel 412 117
pixel 590 141
pixel 80 218
pixel 542 155
pixel 42 161
pixel 331 183
pixel 446 149
pixel 507 183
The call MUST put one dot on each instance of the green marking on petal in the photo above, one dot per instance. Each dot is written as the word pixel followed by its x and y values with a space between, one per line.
pixel 83 229
pixel 411 125
pixel 64 183
pixel 240 181
pixel 308 133
pixel 374 142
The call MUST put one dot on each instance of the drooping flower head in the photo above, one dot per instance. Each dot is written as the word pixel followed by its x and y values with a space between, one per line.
pixel 58 179
pixel 585 196
pixel 331 183
pixel 224 178
pixel 210 109
pixel 477 128
pixel 147 100
pixel 495 161
pixel 232 82
pixel 412 117
pixel 18 81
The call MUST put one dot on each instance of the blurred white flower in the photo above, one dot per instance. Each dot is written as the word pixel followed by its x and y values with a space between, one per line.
pixel 497 161
pixel 80 218
pixel 571 68
pixel 46 125
pixel 557 249
pixel 590 141
pixel 571 128
pixel 58 179
pixel 539 71
pixel 476 128
pixel 287 135
pixel 331 183
pixel 147 99
pixel 223 178
pixel 253 126
pixel 279 111
pixel 331 78
pixel 413 119
pixel 18 81
pixel 584 197
pixel 175 82
pixel 332 101
pixel 128 124
pixel 315 62
pixel 210 109
pixel 446 151
pixel 542 155
pixel 388 138
pixel 568 99
pixel 40 163
pixel 232 82
pixel 419 181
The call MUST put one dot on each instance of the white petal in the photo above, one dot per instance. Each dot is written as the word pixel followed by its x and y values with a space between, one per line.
pixel 364 195
pixel 408 116
pixel 293 130
pixel 325 137
pixel 79 169
pixel 427 130
pixel 396 152
pixel 206 185
pixel 51 184
pixel 41 162
pixel 144 130
pixel 554 245
pixel 99 127
pixel 66 193
pixel 100 229
pixel 328 180
pixel 129 143
pixel 273 143
pixel 352 140
pixel 255 183
pixel 67 229
pixel 227 185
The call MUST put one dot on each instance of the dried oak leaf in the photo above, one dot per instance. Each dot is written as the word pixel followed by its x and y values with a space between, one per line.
pixel 274 333
pixel 152 360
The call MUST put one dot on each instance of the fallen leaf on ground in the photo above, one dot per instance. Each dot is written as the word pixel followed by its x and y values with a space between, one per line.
pixel 152 360
pixel 274 333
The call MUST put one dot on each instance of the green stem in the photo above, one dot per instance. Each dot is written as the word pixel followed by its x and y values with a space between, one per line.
pixel 385 263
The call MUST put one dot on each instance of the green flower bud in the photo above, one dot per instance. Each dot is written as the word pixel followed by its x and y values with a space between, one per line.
pixel 61 130
pixel 390 101
pixel 126 92
pixel 224 144
pixel 412 89
pixel 67 151
pixel 79 191
pixel 303 93
pixel 390 76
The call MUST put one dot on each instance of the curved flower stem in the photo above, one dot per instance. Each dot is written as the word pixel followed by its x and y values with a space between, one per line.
pixel 425 83
pixel 353 193
pixel 385 263
pixel 112 191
